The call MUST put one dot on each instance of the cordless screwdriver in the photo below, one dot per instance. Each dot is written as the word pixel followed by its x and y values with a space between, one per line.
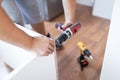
pixel 84 52
pixel 67 33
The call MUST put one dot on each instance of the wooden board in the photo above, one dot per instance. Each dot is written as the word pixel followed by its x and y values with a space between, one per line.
pixel 27 65
pixel 40 68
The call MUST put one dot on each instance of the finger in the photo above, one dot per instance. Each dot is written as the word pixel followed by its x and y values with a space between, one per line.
pixel 51 48
pixel 48 52
pixel 60 29
pixel 66 25
pixel 52 43
pixel 45 54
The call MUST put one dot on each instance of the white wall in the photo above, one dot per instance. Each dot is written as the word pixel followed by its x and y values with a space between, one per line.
pixel 111 62
pixel 103 8
pixel 86 2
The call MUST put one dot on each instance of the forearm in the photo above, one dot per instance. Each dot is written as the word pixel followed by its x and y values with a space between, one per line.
pixel 10 33
pixel 69 9
pixel 0 1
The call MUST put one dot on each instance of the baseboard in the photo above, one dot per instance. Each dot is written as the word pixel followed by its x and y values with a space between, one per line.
pixel 89 3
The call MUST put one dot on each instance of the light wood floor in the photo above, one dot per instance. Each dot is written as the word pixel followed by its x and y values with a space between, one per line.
pixel 93 33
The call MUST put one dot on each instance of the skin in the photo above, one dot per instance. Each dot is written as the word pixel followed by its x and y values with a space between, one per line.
pixel 9 33
pixel 69 11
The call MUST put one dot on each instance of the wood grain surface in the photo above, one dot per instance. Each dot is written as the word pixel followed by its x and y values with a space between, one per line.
pixel 93 33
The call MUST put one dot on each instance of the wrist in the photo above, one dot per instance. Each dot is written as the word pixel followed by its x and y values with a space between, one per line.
pixel 69 22
pixel 29 44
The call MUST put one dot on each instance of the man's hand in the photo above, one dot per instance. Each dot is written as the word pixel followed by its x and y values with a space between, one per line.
pixel 43 45
pixel 67 24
